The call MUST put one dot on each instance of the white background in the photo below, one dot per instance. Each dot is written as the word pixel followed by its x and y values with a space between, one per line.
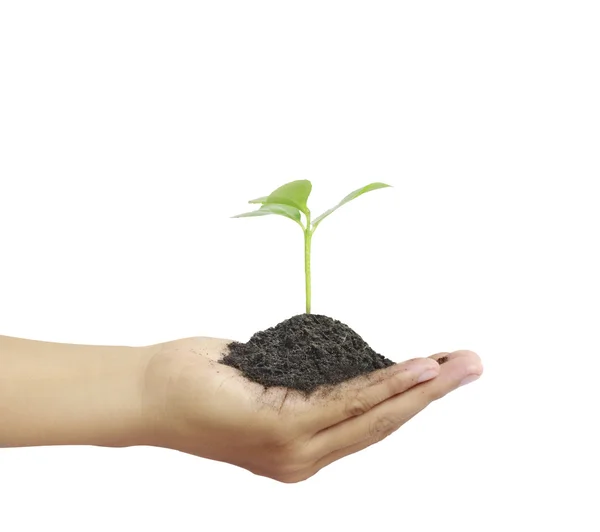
pixel 130 132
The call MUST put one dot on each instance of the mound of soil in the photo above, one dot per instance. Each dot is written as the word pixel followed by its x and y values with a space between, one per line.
pixel 303 353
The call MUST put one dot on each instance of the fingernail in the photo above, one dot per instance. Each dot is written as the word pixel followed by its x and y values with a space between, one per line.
pixel 427 375
pixel 469 379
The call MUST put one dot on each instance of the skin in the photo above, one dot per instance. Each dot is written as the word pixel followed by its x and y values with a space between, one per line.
pixel 176 395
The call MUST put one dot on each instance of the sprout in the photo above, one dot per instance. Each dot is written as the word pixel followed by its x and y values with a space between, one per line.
pixel 290 200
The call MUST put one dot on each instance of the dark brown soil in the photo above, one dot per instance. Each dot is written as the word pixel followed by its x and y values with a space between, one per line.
pixel 303 353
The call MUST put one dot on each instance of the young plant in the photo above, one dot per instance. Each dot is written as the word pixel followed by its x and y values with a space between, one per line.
pixel 290 200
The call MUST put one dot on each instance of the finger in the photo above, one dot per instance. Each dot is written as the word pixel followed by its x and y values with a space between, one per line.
pixel 389 415
pixel 444 357
pixel 362 393
pixel 440 358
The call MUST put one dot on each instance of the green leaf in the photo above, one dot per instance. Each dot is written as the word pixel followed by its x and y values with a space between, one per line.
pixel 259 200
pixel 273 208
pixel 349 197
pixel 294 194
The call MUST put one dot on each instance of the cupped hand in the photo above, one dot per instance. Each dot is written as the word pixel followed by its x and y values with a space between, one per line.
pixel 196 405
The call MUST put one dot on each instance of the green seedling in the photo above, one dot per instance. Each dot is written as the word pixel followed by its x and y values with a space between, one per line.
pixel 290 200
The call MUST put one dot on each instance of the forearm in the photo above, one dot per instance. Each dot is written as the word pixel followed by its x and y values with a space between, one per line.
pixel 66 394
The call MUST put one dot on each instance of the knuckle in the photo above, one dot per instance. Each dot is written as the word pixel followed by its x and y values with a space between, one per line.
pixel 435 393
pixel 381 428
pixel 357 405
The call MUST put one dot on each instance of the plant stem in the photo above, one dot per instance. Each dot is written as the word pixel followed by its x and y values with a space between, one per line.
pixel 307 242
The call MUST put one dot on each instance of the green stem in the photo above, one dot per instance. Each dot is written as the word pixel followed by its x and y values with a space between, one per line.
pixel 307 241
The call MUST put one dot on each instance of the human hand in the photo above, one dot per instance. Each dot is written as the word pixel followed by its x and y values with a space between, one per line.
pixel 201 407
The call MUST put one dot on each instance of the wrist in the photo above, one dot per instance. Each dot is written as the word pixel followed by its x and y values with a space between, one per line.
pixel 117 401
